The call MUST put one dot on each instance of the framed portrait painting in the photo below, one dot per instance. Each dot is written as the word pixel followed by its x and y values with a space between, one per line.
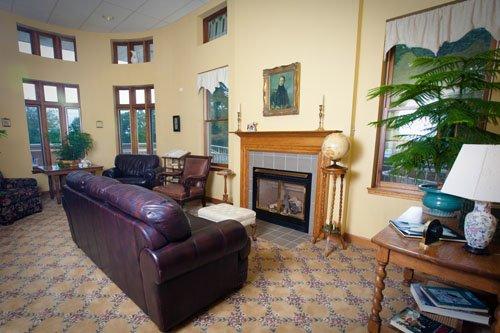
pixel 176 123
pixel 282 90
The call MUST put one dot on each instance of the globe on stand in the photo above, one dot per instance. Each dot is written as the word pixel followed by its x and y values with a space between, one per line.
pixel 335 146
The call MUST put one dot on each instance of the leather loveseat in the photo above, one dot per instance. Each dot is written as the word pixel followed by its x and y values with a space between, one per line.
pixel 170 264
pixel 139 170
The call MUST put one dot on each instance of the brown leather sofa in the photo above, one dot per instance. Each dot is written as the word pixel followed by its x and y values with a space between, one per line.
pixel 170 264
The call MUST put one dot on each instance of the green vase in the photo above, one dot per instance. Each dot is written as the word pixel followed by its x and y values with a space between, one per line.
pixel 439 203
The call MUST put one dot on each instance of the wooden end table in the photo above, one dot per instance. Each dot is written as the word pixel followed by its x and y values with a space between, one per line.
pixel 56 176
pixel 447 260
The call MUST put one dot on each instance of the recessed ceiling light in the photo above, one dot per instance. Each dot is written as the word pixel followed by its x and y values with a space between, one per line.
pixel 108 17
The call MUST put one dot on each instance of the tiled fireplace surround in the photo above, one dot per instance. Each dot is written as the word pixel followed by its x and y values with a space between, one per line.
pixel 285 150
pixel 288 162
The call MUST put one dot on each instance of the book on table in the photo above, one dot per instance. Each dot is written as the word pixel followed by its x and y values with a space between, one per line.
pixel 412 321
pixel 426 305
pixel 410 224
pixel 454 298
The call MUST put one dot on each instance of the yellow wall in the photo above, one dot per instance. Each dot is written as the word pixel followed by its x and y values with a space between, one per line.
pixel 339 44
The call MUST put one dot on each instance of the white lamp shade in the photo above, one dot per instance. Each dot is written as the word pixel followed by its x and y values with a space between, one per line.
pixel 475 175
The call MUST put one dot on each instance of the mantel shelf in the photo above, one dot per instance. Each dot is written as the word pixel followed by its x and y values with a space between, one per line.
pixel 285 133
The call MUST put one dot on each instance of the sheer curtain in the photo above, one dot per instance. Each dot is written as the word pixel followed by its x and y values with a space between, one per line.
pixel 432 28
pixel 211 79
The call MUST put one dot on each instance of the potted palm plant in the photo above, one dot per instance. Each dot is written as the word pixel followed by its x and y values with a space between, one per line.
pixel 449 94
pixel 76 145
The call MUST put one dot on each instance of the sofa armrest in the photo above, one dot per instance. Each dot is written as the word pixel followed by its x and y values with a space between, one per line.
pixel 152 176
pixel 12 183
pixel 208 245
pixel 112 173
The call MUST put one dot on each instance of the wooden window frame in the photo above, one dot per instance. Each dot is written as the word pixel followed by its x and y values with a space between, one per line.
pixel 206 122
pixel 148 106
pixel 210 18
pixel 56 41
pixel 392 189
pixel 146 43
pixel 61 105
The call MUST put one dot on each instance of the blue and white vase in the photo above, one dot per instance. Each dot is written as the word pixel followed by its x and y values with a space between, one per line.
pixel 479 228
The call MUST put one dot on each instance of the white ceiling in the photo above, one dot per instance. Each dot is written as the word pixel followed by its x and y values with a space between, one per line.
pixel 129 15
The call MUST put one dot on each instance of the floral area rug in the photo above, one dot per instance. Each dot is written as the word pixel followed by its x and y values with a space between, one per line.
pixel 47 284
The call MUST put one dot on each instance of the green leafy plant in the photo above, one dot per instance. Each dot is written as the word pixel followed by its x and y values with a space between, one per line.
pixel 76 145
pixel 448 92
pixel 3 133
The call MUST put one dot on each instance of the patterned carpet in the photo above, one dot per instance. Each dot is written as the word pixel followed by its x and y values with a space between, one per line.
pixel 48 285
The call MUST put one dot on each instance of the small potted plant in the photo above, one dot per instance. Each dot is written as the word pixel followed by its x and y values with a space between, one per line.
pixel 76 145
pixel 448 94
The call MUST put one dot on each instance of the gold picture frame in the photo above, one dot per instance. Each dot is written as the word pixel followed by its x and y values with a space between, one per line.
pixel 282 90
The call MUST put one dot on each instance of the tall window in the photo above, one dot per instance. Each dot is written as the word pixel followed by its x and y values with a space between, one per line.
pixel 399 71
pixel 52 110
pixel 45 44
pixel 215 25
pixel 216 125
pixel 135 112
pixel 133 52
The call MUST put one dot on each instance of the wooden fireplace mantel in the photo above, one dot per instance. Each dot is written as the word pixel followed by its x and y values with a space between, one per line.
pixel 297 142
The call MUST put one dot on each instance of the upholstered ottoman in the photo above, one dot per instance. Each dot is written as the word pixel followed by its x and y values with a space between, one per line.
pixel 223 211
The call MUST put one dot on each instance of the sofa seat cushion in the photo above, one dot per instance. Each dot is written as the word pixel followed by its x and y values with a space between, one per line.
pixel 133 181
pixel 161 213
pixel 177 191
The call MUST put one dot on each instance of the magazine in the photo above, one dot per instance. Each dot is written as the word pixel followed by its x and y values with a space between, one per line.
pixel 454 298
pixel 425 304
pixel 412 321
pixel 416 230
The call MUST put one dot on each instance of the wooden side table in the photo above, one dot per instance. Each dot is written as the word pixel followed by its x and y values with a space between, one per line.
pixel 56 176
pixel 447 260
pixel 226 173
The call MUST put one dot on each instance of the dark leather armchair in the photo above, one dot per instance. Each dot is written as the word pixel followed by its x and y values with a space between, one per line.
pixel 139 170
pixel 19 197
pixel 193 179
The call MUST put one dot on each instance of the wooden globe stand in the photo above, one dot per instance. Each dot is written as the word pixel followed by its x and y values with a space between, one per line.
pixel 333 229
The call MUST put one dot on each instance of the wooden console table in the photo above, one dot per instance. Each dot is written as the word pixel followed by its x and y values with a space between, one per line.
pixel 56 176
pixel 447 260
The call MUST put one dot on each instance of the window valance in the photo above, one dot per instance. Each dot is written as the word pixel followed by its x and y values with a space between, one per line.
pixel 445 24
pixel 211 79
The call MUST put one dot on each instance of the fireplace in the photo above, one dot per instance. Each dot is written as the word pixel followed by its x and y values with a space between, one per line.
pixel 282 197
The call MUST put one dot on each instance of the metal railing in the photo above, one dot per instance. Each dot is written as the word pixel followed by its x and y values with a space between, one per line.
pixel 219 154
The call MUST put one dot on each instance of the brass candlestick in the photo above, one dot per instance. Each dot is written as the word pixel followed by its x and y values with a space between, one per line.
pixel 321 117
pixel 239 122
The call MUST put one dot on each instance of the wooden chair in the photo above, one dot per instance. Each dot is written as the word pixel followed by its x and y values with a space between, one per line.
pixel 192 180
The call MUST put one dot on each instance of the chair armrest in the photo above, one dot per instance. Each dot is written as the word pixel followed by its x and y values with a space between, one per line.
pixel 163 175
pixel 192 180
pixel 152 176
pixel 208 245
pixel 112 173
pixel 12 183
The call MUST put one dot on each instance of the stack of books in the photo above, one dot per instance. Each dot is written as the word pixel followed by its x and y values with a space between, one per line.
pixel 451 302
pixel 446 303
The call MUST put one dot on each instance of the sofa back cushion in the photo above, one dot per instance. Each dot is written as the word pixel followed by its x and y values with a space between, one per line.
pixel 161 213
pixel 135 165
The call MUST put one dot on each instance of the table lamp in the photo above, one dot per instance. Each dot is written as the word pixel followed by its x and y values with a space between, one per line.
pixel 475 175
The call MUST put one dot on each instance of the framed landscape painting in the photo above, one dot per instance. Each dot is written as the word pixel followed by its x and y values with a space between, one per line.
pixel 282 90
